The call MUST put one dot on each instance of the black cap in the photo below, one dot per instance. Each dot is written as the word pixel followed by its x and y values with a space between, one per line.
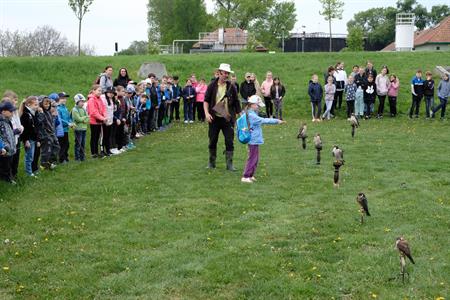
pixel 7 106
pixel 110 89
pixel 63 95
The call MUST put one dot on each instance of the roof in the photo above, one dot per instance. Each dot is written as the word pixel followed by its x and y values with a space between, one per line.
pixel 437 34
pixel 231 36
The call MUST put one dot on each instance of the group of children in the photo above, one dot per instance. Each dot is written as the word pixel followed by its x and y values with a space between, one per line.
pixel 363 86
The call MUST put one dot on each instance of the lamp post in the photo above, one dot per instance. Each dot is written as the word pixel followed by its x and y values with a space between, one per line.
pixel 282 37
pixel 303 38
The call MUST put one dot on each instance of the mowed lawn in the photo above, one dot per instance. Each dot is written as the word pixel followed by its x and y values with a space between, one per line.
pixel 154 223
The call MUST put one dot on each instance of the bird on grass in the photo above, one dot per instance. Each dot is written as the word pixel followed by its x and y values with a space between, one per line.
pixel 355 124
pixel 318 146
pixel 337 163
pixel 302 134
pixel 403 248
pixel 363 206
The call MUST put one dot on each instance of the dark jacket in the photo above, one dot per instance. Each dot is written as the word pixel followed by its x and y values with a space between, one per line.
pixel 315 91
pixel 372 71
pixel 429 88
pixel 46 125
pixel 7 136
pixel 123 81
pixel 152 94
pixel 370 92
pixel 281 91
pixel 176 92
pixel 236 85
pixel 28 121
pixel 360 80
pixel 247 89
pixel 189 90
pixel 234 106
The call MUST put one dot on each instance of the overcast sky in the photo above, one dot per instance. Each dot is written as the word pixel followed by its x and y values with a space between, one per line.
pixel 123 21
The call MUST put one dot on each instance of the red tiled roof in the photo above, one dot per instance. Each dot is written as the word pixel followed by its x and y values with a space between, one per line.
pixel 437 34
pixel 231 36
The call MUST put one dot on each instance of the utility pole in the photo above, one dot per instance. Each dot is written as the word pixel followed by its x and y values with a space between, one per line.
pixel 282 37
pixel 303 38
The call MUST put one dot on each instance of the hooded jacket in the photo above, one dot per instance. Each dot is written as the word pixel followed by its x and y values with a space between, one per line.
pixel 7 136
pixel 315 91
pixel 28 121
pixel 46 125
pixel 444 89
pixel 96 110
pixel 64 116
pixel 247 89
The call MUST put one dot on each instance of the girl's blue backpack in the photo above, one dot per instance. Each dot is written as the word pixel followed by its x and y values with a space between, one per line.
pixel 243 130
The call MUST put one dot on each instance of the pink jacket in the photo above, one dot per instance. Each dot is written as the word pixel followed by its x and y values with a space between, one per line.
pixel 201 91
pixel 393 88
pixel 265 88
pixel 96 109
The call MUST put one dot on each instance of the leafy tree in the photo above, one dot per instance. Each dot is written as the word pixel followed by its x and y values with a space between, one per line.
pixel 280 21
pixel 331 9
pixel 437 14
pixel 355 39
pixel 241 13
pixel 176 19
pixel 411 6
pixel 80 8
pixel 135 48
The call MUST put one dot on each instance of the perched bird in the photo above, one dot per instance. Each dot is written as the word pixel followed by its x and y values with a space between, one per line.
pixel 337 163
pixel 302 134
pixel 403 247
pixel 363 206
pixel 318 146
pixel 355 123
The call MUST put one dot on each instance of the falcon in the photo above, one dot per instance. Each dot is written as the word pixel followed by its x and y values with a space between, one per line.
pixel 338 162
pixel 302 134
pixel 355 124
pixel 318 146
pixel 403 247
pixel 363 206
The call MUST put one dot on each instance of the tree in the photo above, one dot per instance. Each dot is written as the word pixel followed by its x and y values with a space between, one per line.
pixel 241 13
pixel 420 12
pixel 332 9
pixel 176 19
pixel 355 39
pixel 437 14
pixel 280 20
pixel 80 8
pixel 135 48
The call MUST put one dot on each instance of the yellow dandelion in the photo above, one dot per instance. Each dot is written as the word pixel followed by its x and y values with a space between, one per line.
pixel 314 268
pixel 291 274
pixel 6 268
pixel 318 275
pixel 39 219
pixel 208 238
pixel 440 298
pixel 387 229
pixel 374 295
pixel 17 253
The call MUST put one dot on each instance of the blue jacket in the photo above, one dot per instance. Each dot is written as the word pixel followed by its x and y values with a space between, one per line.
pixel 189 91
pixel 64 116
pixel 444 89
pixel 176 92
pixel 255 127
pixel 315 91
pixel 59 126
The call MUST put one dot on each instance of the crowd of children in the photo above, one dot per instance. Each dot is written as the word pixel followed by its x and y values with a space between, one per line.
pixel 363 86
pixel 118 111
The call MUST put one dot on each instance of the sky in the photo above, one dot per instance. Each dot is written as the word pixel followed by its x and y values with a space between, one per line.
pixel 110 21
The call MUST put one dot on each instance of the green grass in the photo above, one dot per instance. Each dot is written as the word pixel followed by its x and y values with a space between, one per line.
pixel 154 223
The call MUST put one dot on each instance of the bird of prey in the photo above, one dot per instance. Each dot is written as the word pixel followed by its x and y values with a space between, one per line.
pixel 302 134
pixel 338 162
pixel 403 248
pixel 363 206
pixel 355 124
pixel 318 146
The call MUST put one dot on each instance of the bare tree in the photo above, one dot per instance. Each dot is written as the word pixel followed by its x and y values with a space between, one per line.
pixel 80 8
pixel 48 42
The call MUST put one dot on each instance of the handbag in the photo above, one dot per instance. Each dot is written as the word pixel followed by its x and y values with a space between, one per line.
pixel 220 108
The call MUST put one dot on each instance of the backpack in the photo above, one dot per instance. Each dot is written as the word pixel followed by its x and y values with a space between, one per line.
pixel 97 80
pixel 243 130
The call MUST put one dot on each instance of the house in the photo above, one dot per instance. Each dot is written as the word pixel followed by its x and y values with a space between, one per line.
pixel 221 40
pixel 430 39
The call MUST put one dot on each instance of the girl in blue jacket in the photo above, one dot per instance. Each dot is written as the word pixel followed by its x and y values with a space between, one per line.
pixel 254 103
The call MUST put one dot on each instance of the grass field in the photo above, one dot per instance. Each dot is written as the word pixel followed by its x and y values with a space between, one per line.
pixel 154 223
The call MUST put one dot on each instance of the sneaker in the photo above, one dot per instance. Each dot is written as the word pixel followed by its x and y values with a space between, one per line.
pixel 12 182
pixel 191 121
pixel 313 120
pixel 186 121
pixel 253 179
pixel 115 151
pixel 52 166
pixel 246 180
pixel 32 175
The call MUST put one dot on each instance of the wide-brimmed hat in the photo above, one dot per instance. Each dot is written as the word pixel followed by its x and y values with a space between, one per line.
pixel 255 99
pixel 226 68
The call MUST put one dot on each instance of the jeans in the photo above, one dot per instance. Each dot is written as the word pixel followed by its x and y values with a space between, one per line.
pixel 315 109
pixel 175 107
pixel 5 168
pixel 393 105
pixel 441 107
pixel 269 106
pixel 188 111
pixel 64 147
pixel 106 138
pixel 429 103
pixel 337 100
pixel 220 124
pixel 49 148
pixel 200 111
pixel 350 107
pixel 29 156
pixel 359 103
pixel 329 105
pixel 382 98
pixel 415 105
pixel 80 142
pixel 252 161
pixel 15 161
pixel 278 108
pixel 95 137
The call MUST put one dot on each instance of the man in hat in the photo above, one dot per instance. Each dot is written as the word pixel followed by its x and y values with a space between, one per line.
pixel 221 106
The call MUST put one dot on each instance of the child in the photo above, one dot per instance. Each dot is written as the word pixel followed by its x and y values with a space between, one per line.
pixel 417 90
pixel 108 101
pixel 360 80
pixel 341 81
pixel 97 116
pixel 443 94
pixel 81 121
pixel 315 92
pixel 188 96
pixel 29 137
pixel 176 96
pixel 142 110
pixel 382 82
pixel 350 91
pixel 429 94
pixel 369 96
pixel 330 90
pixel 120 120
pixel 355 71
pixel 64 116
pixel 47 133
pixel 392 94
pixel 200 91
pixel 277 92
pixel 168 102
pixel 254 103
pixel 8 149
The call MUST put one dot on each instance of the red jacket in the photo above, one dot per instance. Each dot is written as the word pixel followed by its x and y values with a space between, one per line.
pixel 96 110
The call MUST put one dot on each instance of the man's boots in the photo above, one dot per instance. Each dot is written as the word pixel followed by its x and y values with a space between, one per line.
pixel 212 158
pixel 229 158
